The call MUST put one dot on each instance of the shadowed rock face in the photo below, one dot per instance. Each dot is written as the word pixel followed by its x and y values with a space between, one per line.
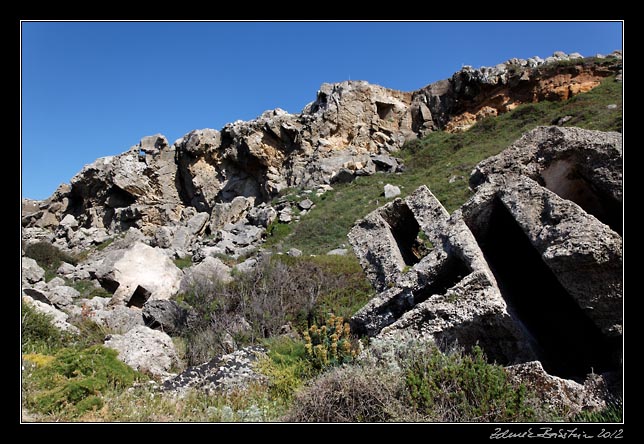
pixel 530 267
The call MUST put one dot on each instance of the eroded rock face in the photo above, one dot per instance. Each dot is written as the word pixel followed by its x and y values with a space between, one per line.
pixel 524 268
pixel 351 129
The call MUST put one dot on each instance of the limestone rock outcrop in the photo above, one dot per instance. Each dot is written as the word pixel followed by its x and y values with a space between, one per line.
pixel 352 128
pixel 530 268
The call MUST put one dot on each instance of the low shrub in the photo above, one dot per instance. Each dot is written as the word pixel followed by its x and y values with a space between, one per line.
pixel 460 387
pixel 613 412
pixel 331 344
pixel 351 394
pixel 48 256
pixel 75 379
pixel 39 335
pixel 277 292
pixel 286 367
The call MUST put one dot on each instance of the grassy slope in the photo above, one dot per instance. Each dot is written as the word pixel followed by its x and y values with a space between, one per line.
pixel 439 158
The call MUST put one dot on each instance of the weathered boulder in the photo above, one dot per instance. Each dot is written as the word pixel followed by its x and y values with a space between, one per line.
pixel 59 318
pixel 62 296
pixel 223 373
pixel 436 284
pixel 294 252
pixel 262 215
pixel 391 191
pixel 146 350
pixel 574 219
pixel 230 212
pixel 65 269
pixel 31 271
pixel 137 274
pixel 211 269
pixel 118 318
pixel 306 204
pixel 167 316
pixel 563 395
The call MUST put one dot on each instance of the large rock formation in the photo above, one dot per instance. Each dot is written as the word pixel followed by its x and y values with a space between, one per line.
pixel 529 268
pixel 351 129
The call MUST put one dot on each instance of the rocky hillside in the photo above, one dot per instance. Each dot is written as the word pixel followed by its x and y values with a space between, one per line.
pixel 166 254
pixel 351 129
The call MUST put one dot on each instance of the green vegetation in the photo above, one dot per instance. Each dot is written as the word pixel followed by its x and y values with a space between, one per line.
pixel 318 376
pixel 88 290
pixel 427 385
pixel 443 162
pixel 73 380
pixel 38 333
pixel 613 412
pixel 281 290
pixel 331 344
pixel 183 262
pixel 106 243
pixel 286 367
pixel 464 387
pixel 49 257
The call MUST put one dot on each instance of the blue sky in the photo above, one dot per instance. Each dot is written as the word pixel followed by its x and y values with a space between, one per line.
pixel 93 89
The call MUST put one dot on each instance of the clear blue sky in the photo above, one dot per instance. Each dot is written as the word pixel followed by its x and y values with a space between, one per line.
pixel 93 89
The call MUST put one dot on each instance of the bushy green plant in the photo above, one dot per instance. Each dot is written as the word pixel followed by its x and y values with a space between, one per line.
pixel 613 412
pixel 183 262
pixel 39 335
pixel 286 367
pixel 75 379
pixel 331 344
pixel 48 255
pixel 462 386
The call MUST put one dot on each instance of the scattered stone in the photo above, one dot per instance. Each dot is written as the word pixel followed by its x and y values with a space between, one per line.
pixel 285 216
pixel 391 191
pixel 306 204
pixel 59 318
pixel 118 318
pixel 294 252
pixel 338 252
pixel 63 296
pixel 65 269
pixel 211 269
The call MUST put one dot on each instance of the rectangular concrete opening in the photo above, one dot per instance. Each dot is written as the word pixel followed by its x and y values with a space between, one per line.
pixel 449 274
pixel 566 341
pixel 452 272
pixel 405 230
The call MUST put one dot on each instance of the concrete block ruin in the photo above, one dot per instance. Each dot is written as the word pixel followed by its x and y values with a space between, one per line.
pixel 530 268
